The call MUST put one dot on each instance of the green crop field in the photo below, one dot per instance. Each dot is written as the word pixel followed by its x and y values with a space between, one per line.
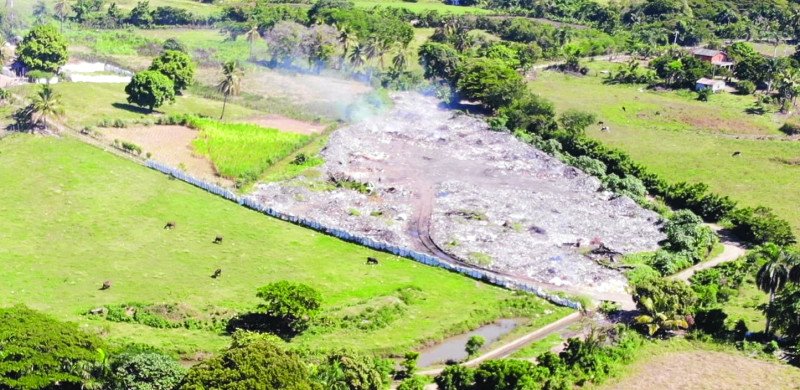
pixel 683 139
pixel 74 216
pixel 240 150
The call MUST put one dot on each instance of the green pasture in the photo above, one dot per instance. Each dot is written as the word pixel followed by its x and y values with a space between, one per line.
pixel 683 139
pixel 75 216
pixel 241 150
pixel 422 5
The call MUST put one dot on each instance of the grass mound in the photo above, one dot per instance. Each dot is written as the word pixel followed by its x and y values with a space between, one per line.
pixel 243 151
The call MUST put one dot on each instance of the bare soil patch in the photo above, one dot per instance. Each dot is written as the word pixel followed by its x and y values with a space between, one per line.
pixel 171 145
pixel 283 123
pixel 708 370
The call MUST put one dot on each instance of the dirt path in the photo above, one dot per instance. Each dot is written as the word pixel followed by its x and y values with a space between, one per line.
pixel 733 250
pixel 510 347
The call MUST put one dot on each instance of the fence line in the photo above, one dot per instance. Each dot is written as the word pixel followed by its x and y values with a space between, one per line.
pixel 342 234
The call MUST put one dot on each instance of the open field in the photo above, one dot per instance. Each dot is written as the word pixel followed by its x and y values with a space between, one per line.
pixel 680 138
pixel 422 5
pixel 679 364
pixel 75 216
pixel 87 104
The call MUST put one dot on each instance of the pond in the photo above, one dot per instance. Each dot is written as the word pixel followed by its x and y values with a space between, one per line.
pixel 453 347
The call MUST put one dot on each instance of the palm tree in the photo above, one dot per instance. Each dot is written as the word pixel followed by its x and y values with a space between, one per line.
pixel 231 82
pixel 788 81
pixel 400 61
pixel 252 34
pixel 347 38
pixel 780 267
pixel 46 104
pixel 357 57
pixel 62 9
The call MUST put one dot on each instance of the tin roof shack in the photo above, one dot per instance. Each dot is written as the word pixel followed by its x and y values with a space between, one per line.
pixel 714 85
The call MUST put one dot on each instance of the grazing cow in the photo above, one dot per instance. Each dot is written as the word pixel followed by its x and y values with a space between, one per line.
pixel 372 261
pixel 601 123
pixel 605 129
pixel 97 311
pixel 736 154
pixel 106 285
pixel 170 225
pixel 217 273
pixel 218 239
pixel 624 109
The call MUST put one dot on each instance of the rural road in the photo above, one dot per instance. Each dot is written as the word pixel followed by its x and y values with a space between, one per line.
pixel 733 250
pixel 513 345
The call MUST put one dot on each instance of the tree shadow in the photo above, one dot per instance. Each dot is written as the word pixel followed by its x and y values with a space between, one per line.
pixel 132 108
pixel 262 323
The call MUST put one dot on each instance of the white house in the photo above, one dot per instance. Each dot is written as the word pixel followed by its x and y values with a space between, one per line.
pixel 714 85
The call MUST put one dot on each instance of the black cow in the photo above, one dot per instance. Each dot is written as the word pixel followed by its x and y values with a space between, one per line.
pixel 218 239
pixel 170 225
pixel 372 261
pixel 217 273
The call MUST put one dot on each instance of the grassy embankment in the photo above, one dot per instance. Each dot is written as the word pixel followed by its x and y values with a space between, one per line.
pixel 683 139
pixel 75 216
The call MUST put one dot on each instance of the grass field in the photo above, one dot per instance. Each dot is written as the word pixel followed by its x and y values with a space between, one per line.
pixel 681 364
pixel 86 104
pixel 74 216
pixel 682 139
pixel 241 150
pixel 422 5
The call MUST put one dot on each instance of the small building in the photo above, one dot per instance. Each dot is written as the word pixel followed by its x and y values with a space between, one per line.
pixel 714 85
pixel 715 57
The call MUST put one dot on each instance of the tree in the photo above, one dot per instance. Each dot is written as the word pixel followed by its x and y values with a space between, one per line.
pixel 176 65
pixel 146 371
pixel 293 304
pixel 150 89
pixel 505 374
pixel 231 82
pixel 37 351
pixel 174 44
pixel 261 364
pixel 409 364
pixel 285 40
pixel 531 113
pixel 490 82
pixel 252 35
pixel 784 312
pixel 413 383
pixel 788 81
pixel 575 122
pixel 44 49
pixel 46 104
pixel 357 58
pixel 664 304
pixel 455 377
pixel 400 61
pixel 474 345
pixel 61 9
pixel 687 233
pixel 40 11
pixel 780 266
pixel 349 371
pixel 439 60
pixel 140 15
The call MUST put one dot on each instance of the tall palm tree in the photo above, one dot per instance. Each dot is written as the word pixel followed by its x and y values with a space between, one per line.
pixel 347 38
pixel 46 104
pixel 357 57
pixel 61 9
pixel 400 61
pixel 788 81
pixel 231 82
pixel 252 35
pixel 780 267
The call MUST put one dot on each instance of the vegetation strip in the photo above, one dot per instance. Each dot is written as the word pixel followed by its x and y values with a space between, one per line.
pixel 484 276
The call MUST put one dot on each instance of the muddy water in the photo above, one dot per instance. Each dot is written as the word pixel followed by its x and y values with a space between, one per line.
pixel 453 348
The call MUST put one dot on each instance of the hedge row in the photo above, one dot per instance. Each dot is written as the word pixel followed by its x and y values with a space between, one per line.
pixel 755 225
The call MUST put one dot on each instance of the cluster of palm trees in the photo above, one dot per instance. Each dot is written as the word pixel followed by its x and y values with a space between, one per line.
pixel 781 266
pixel 358 54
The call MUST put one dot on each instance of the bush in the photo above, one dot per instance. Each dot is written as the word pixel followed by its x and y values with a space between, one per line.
pixel 490 82
pixel 131 148
pixel 687 233
pixel 474 345
pixel 146 371
pixel 746 87
pixel 760 225
pixel 792 126
pixel 669 263
pixel 629 186
pixel 591 166
pixel 711 321
pixel 455 377
pixel 357 372
pixel 414 383
pixel 575 122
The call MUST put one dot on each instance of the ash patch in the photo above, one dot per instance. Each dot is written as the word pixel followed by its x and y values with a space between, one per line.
pixel 483 196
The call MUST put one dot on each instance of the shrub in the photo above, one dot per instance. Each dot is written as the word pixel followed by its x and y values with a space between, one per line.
pixel 474 345
pixel 414 383
pixel 711 321
pixel 591 166
pixel 746 87
pixel 409 364
pixel 669 263
pixel 146 371
pixel 357 372
pixel 131 148
pixel 792 126
pixel 505 375
pixel 760 225
pixel 575 122
pixel 687 233
pixel 489 81
pixel 629 186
